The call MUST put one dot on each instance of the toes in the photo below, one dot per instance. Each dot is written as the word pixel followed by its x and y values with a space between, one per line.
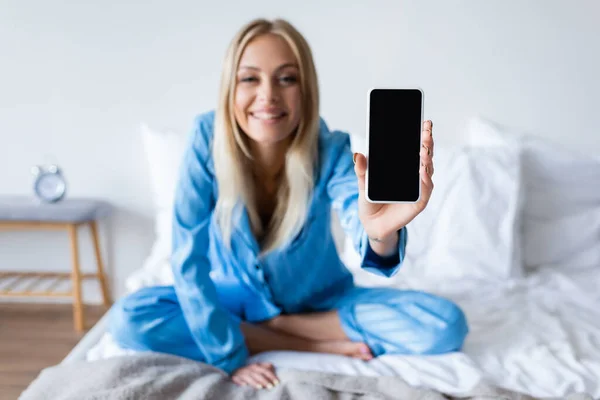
pixel 364 352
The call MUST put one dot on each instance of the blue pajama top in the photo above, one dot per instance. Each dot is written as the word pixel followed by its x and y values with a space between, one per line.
pixel 217 287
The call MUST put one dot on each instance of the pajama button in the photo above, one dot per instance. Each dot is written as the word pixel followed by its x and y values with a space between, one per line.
pixel 257 266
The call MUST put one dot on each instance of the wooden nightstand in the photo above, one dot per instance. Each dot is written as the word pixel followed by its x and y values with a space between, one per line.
pixel 26 213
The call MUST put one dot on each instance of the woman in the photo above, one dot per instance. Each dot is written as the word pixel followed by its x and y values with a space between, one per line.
pixel 254 260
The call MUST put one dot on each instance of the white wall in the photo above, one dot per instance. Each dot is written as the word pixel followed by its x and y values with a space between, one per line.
pixel 77 78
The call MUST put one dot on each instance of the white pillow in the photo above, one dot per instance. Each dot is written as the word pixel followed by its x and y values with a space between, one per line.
pixel 562 201
pixel 469 228
pixel 164 152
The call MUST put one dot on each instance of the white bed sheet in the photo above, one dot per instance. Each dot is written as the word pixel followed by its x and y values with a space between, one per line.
pixel 539 335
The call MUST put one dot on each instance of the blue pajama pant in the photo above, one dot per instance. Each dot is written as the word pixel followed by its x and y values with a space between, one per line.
pixel 389 321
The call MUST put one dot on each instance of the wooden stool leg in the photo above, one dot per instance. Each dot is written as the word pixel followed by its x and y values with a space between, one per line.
pixel 101 276
pixel 76 280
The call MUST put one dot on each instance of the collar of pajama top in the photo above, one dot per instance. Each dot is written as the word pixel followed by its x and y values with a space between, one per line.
pixel 217 287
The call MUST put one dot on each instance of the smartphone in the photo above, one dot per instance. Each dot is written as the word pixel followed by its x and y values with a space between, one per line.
pixel 394 128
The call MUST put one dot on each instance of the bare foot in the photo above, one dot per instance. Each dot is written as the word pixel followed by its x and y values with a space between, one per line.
pixel 345 348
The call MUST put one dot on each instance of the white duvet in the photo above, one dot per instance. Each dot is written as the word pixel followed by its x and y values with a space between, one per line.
pixel 540 336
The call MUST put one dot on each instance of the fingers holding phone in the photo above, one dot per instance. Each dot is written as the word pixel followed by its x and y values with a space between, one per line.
pixel 427 168
pixel 427 147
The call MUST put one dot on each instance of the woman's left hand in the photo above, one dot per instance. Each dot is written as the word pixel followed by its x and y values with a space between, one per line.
pixel 383 221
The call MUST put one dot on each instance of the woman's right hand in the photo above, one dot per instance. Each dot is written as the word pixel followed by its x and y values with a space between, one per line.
pixel 258 375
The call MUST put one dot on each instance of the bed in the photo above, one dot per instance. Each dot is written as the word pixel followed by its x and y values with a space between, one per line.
pixel 511 234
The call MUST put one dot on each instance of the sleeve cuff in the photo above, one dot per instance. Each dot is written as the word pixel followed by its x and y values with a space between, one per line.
pixel 235 360
pixel 384 266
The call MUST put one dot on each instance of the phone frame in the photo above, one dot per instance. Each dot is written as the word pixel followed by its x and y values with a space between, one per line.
pixel 369 143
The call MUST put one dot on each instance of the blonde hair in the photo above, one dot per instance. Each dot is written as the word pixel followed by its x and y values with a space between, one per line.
pixel 232 156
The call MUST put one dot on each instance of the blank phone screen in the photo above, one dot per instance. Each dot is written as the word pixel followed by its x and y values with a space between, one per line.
pixel 394 144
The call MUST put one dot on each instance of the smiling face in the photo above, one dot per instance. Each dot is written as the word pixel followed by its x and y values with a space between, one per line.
pixel 267 104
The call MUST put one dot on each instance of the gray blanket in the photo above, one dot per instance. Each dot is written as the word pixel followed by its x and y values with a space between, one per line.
pixel 158 376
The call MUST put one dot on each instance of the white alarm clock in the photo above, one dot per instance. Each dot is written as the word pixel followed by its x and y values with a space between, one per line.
pixel 49 185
